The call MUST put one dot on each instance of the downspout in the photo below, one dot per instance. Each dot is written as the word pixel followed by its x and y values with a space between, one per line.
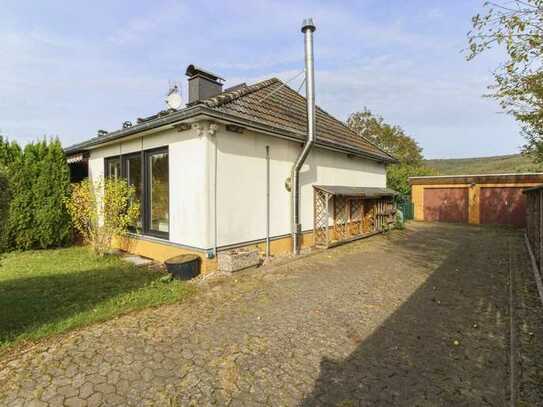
pixel 307 28
pixel 215 175
pixel 267 202
pixel 212 133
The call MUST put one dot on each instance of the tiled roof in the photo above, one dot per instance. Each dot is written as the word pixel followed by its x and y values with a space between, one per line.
pixel 274 103
pixel 268 104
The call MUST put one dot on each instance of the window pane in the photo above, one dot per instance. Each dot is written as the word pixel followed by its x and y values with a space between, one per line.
pixel 159 192
pixel 135 179
pixel 113 167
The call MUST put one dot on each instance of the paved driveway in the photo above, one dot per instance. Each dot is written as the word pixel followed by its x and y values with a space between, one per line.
pixel 416 317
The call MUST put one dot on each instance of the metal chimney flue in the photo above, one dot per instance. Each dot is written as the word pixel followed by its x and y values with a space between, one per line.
pixel 308 27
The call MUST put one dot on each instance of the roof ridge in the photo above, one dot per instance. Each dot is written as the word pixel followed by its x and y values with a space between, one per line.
pixel 230 96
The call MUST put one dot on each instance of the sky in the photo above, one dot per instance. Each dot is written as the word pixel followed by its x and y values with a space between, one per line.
pixel 69 68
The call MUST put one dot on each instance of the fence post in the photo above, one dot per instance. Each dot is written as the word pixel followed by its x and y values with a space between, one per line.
pixel 540 226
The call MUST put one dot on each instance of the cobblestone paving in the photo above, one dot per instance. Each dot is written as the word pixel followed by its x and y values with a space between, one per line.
pixel 416 317
pixel 529 334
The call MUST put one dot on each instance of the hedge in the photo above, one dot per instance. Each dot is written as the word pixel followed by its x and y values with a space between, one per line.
pixel 39 182
pixel 4 208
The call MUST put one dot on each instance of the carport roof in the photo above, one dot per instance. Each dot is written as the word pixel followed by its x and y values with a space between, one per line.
pixel 366 192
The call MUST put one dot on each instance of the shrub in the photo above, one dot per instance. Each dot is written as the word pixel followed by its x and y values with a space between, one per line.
pixel 102 210
pixel 50 189
pixel 39 182
pixel 4 208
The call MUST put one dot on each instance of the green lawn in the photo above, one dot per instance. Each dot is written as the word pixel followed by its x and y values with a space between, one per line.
pixel 47 292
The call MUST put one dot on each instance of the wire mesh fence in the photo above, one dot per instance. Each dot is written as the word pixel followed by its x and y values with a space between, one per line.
pixel 406 206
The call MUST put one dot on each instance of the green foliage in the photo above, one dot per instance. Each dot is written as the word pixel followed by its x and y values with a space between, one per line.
pixel 398 174
pixel 38 182
pixel 100 219
pixel 391 139
pixel 4 210
pixel 517 26
pixel 395 141
pixel 485 165
pixel 8 152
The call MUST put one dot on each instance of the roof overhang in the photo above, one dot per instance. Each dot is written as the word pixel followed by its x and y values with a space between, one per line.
pixel 361 192
pixel 77 158
pixel 201 112
pixel 533 189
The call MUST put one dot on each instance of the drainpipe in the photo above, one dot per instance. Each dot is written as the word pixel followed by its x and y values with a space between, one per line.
pixel 307 28
pixel 267 202
pixel 213 133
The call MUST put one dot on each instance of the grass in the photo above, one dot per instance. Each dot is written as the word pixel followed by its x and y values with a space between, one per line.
pixel 485 165
pixel 47 292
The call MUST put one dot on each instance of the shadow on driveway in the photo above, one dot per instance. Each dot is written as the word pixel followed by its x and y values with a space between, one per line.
pixel 446 345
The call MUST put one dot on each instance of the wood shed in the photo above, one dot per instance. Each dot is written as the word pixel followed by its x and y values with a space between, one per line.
pixel 355 212
pixel 475 199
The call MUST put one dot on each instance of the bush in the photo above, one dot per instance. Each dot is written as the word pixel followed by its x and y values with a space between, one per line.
pixel 102 211
pixel 398 176
pixel 39 181
pixel 4 210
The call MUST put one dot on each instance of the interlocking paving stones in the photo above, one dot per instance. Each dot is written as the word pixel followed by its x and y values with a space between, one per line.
pixel 384 321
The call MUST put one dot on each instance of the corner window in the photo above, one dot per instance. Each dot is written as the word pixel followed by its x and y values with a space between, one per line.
pixel 148 173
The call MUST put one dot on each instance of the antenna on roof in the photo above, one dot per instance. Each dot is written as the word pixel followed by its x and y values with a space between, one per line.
pixel 173 97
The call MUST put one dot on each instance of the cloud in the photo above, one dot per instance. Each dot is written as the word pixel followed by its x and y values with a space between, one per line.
pixel 68 75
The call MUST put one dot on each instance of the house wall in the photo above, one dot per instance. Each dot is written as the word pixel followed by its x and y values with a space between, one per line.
pixel 241 184
pixel 239 190
pixel 187 173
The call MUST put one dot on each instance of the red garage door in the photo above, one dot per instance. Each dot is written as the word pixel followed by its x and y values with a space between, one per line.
pixel 503 206
pixel 446 205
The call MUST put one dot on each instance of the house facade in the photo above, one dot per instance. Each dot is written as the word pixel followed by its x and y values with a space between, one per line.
pixel 215 174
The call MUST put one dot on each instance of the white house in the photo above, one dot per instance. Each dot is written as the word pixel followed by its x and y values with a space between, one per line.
pixel 215 174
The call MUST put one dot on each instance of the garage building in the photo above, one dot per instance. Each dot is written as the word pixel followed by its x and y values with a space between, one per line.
pixel 475 199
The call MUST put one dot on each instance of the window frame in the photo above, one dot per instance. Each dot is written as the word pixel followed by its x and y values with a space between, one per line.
pixel 107 160
pixel 147 154
pixel 145 209
pixel 124 175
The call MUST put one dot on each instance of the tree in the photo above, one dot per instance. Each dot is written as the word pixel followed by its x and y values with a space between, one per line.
pixel 103 210
pixel 390 138
pixel 4 210
pixel 38 182
pixel 517 26
pixel 394 141
pixel 52 221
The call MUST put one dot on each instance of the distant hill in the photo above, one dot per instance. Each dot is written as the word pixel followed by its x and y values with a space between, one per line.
pixel 484 165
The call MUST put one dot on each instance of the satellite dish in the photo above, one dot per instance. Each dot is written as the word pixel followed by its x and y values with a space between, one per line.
pixel 173 99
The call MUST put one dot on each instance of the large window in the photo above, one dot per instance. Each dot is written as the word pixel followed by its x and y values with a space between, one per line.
pixel 157 210
pixel 113 167
pixel 133 172
pixel 148 172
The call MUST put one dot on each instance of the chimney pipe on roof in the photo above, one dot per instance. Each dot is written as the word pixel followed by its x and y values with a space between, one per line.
pixel 307 28
pixel 202 84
